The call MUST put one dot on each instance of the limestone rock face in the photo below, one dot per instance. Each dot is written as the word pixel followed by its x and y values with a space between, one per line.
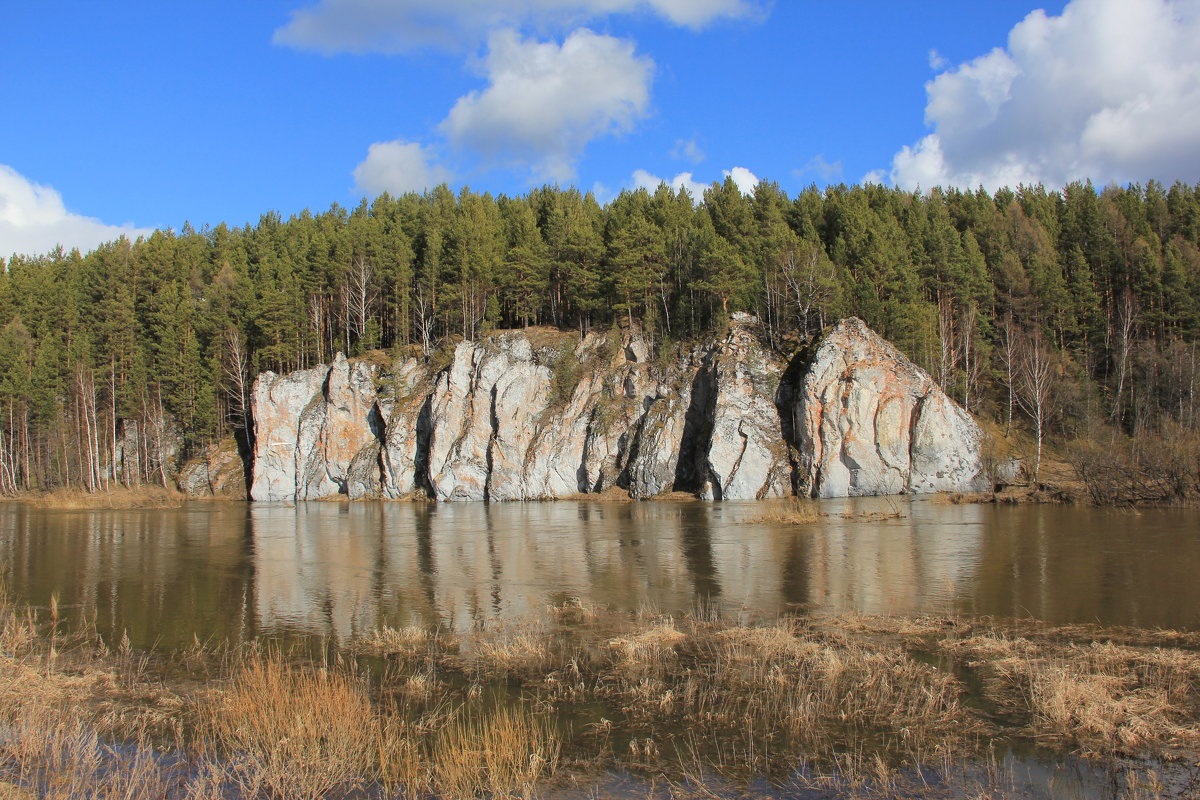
pixel 870 422
pixel 654 462
pixel 540 414
pixel 277 403
pixel 334 432
pixel 747 457
pixel 406 441
pixel 482 418
pixel 310 426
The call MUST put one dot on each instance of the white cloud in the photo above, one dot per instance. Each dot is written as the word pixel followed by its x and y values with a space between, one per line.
pixel 684 180
pixel 545 102
pixel 937 60
pixel 33 220
pixel 1109 90
pixel 687 150
pixel 743 178
pixel 392 26
pixel 397 167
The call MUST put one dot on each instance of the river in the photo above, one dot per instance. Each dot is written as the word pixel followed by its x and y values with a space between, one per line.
pixel 217 571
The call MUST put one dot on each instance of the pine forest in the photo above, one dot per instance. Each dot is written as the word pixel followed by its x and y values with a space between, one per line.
pixel 1076 312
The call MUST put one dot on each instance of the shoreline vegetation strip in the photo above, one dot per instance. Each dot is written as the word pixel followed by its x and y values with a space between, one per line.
pixel 852 705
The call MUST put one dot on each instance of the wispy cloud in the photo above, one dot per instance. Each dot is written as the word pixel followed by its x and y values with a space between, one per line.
pixel 684 180
pixel 687 150
pixel 820 168
pixel 394 26
pixel 743 178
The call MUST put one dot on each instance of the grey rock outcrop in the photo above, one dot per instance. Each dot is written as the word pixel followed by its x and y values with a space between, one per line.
pixel 483 417
pixel 407 438
pixel 310 426
pixel 747 457
pixel 217 472
pixel 871 422
pixel 542 414
pixel 278 401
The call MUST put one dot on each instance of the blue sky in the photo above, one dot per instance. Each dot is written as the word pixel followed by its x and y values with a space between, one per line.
pixel 127 116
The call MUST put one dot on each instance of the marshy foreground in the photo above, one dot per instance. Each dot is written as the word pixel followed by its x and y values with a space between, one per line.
pixel 583 702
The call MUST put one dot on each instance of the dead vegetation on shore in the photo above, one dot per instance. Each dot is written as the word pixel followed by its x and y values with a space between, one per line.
pixel 118 497
pixel 849 706
pixel 805 511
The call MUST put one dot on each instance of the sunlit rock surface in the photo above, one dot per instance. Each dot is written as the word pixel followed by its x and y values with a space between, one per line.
pixel 309 427
pixel 541 414
pixel 871 422
pixel 747 456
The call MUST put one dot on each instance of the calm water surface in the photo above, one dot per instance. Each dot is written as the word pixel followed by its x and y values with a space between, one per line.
pixel 220 571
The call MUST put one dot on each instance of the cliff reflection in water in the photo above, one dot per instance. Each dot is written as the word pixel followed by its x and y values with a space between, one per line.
pixel 346 568
pixel 336 570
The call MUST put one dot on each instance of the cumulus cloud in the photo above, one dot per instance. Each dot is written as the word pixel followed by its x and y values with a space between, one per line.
pixel 684 180
pixel 393 26
pixel 397 167
pixel 33 220
pixel 545 102
pixel 1109 90
pixel 743 178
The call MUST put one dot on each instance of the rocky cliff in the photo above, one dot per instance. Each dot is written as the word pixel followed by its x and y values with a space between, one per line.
pixel 868 421
pixel 543 414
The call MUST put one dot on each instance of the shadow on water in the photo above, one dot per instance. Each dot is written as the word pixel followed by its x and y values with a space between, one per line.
pixel 696 542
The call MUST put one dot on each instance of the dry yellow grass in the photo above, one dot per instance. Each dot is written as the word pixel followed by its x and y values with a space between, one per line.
pixel 10 791
pixel 298 732
pixel 496 712
pixel 502 753
pixel 62 701
pixel 118 497
pixel 1100 696
pixel 792 511
pixel 613 494
pixel 409 642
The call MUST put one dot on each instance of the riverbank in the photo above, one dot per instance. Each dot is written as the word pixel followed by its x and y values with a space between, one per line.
pixel 118 497
pixel 843 705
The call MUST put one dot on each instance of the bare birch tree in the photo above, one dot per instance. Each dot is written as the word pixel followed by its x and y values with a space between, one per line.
pixel 1126 313
pixel 236 366
pixel 1035 385
pixel 424 321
